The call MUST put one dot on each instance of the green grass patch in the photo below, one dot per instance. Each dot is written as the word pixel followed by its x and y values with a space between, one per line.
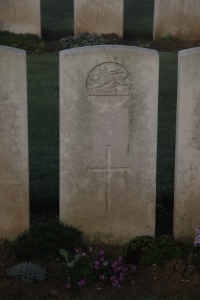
pixel 138 18
pixel 166 140
pixel 57 18
pixel 43 110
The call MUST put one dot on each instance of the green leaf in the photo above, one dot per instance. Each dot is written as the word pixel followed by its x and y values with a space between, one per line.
pixel 74 261
pixel 64 254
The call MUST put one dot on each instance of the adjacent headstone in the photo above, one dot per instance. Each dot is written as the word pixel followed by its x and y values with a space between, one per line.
pixel 187 170
pixel 14 191
pixel 177 18
pixel 98 16
pixel 20 16
pixel 108 137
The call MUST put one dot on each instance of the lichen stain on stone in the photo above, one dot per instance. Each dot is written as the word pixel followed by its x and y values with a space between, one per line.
pixel 136 126
pixel 131 123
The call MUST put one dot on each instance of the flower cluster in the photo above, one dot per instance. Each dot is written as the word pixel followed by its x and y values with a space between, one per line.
pixel 98 266
pixel 197 237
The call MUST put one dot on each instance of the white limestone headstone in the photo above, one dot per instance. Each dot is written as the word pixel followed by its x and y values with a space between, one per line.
pixel 177 18
pixel 14 188
pixel 98 16
pixel 108 141
pixel 187 168
pixel 20 16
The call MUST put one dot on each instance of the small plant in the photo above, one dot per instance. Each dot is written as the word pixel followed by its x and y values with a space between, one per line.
pixel 87 39
pixel 169 249
pixel 70 264
pixel 27 272
pixel 28 42
pixel 136 249
pixel 167 37
pixel 91 266
pixel 146 250
pixel 43 240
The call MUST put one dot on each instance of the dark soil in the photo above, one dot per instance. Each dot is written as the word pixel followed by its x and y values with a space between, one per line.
pixel 175 278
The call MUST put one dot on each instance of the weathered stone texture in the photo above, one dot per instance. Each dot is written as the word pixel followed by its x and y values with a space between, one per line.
pixel 14 191
pixel 187 170
pixel 108 137
pixel 177 18
pixel 98 16
pixel 20 16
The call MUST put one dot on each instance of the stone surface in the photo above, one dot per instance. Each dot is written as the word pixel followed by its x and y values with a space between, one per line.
pixel 14 199
pixel 187 169
pixel 178 18
pixel 108 136
pixel 98 16
pixel 20 16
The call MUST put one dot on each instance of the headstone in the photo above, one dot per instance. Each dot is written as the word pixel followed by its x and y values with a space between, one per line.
pixel 177 18
pixel 98 16
pixel 14 199
pixel 187 170
pixel 20 16
pixel 108 136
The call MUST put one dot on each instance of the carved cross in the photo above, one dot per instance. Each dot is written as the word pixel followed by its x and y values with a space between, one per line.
pixel 108 170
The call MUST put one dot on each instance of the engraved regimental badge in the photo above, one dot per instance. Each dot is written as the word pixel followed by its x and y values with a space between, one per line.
pixel 109 83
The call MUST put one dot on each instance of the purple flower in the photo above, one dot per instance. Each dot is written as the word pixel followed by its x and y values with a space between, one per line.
pixel 197 230
pixel 197 237
pixel 68 285
pixel 105 263
pixel 83 254
pixel 82 282
pixel 96 264
pixel 121 277
pixel 90 249
pixel 113 278
pixel 115 283
pixel 132 267
pixel 101 277
pixel 101 252
pixel 114 264
pixel 77 250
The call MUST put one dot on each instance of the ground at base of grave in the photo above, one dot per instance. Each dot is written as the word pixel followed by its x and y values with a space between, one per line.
pixel 174 278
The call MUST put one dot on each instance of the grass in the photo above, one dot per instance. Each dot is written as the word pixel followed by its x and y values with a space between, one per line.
pixel 57 18
pixel 43 107
pixel 166 140
pixel 138 18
